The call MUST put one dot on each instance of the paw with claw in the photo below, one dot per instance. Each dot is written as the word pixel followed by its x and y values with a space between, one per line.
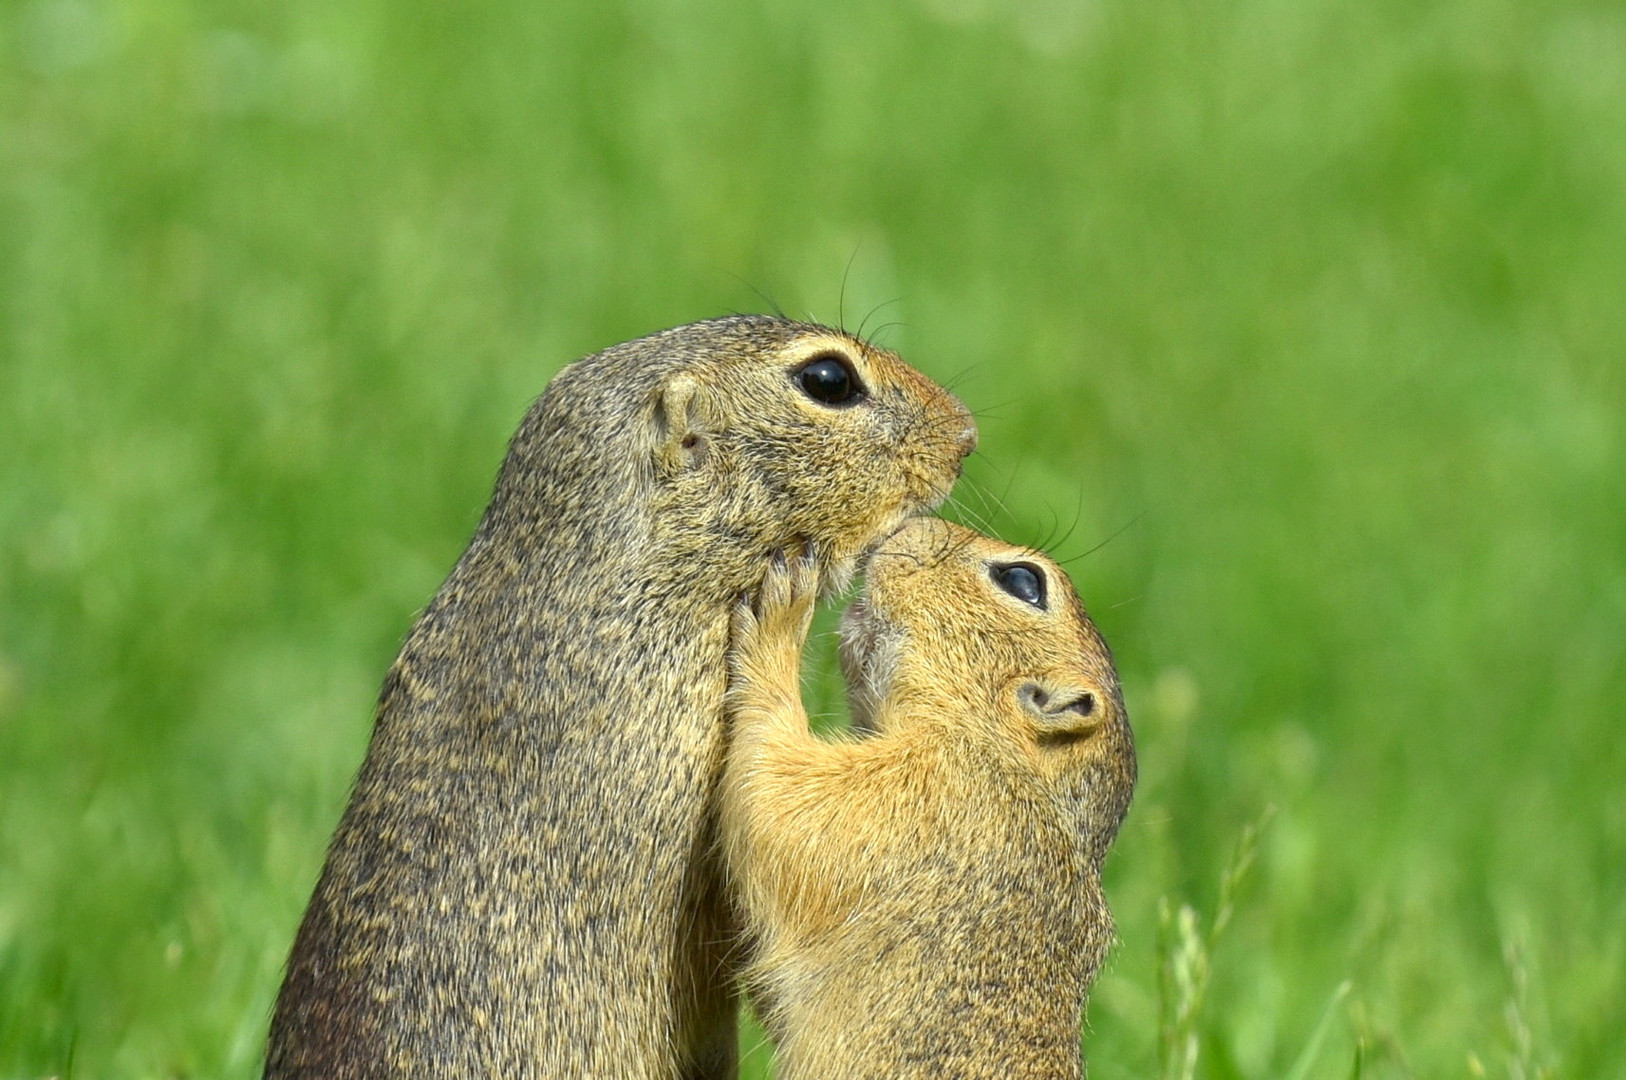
pixel 770 630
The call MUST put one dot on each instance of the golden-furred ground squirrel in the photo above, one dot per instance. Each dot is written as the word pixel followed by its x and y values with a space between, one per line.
pixel 925 900
pixel 526 881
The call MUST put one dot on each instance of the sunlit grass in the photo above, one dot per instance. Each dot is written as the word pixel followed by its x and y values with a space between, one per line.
pixel 1296 327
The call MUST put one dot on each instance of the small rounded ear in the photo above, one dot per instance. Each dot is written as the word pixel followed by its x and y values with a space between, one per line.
pixel 1061 716
pixel 682 424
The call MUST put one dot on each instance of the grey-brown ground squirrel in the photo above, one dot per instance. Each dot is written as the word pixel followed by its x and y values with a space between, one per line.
pixel 526 880
pixel 925 901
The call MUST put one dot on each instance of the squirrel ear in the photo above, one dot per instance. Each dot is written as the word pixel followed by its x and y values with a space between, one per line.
pixel 681 424
pixel 1061 716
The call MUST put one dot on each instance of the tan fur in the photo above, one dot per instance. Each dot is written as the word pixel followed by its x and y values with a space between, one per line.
pixel 525 883
pixel 925 900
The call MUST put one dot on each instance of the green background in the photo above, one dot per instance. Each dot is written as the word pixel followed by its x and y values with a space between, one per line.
pixel 1295 325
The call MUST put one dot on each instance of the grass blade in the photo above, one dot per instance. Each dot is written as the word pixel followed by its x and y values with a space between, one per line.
pixel 1312 1049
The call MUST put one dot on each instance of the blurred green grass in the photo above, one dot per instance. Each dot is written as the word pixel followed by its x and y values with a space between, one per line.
pixel 1297 326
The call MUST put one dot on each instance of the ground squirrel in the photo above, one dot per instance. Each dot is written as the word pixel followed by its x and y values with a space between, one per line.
pixel 925 900
pixel 525 882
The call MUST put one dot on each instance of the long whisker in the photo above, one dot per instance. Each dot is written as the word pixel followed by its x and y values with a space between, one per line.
pixel 884 327
pixel 841 299
pixel 874 311
pixel 1117 533
pixel 763 296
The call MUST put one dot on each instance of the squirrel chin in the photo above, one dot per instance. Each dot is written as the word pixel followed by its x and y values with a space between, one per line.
pixel 838 577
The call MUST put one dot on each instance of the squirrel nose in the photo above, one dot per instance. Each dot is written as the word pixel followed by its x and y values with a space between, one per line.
pixel 967 440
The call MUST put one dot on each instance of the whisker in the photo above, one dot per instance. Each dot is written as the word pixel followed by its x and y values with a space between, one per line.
pixel 957 380
pixel 1119 532
pixel 879 330
pixel 764 297
pixel 874 310
pixel 841 299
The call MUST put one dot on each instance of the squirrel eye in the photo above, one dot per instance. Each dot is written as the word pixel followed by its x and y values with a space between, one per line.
pixel 1022 580
pixel 829 381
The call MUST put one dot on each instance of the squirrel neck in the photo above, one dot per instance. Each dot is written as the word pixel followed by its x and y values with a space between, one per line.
pixel 571 591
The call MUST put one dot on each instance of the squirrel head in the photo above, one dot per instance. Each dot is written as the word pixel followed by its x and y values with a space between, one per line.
pixel 954 624
pixel 802 435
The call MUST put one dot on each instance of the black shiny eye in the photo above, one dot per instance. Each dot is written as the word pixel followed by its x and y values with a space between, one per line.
pixel 1022 580
pixel 829 381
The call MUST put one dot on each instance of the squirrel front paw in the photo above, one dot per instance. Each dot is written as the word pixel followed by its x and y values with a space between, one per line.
pixel 770 630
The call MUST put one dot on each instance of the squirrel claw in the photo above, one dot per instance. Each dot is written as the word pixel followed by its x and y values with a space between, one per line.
pixel 784 603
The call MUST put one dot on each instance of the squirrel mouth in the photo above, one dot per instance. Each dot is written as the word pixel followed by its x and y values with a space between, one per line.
pixel 930 495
